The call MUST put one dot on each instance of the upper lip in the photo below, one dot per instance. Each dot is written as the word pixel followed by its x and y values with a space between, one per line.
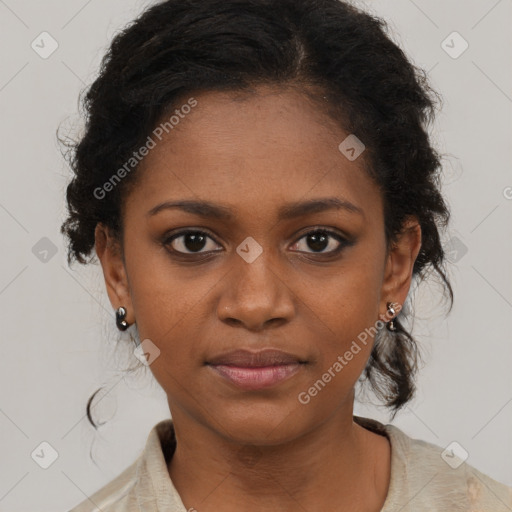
pixel 247 358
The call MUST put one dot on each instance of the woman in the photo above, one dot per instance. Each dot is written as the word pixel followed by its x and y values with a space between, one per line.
pixel 257 182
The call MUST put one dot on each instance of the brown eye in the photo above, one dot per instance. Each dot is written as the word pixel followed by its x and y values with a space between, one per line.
pixel 191 242
pixel 321 239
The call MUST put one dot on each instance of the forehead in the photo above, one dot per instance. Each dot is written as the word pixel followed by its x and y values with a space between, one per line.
pixel 265 148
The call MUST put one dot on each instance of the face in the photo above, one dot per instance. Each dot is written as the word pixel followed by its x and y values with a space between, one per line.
pixel 282 248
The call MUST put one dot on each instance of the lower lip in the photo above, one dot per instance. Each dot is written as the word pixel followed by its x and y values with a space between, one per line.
pixel 257 378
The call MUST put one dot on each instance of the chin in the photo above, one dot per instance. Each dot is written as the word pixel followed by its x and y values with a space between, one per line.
pixel 260 425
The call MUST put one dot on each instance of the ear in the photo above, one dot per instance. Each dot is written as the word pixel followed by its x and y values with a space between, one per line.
pixel 114 271
pixel 400 264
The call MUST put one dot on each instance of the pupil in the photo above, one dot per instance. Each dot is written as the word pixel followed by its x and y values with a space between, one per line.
pixel 194 241
pixel 317 241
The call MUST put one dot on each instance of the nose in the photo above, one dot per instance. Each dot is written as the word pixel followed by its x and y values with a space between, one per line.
pixel 256 296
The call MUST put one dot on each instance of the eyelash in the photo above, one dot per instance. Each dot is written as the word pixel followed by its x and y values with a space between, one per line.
pixel 344 242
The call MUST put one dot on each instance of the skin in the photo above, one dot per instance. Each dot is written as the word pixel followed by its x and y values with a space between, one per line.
pixel 253 450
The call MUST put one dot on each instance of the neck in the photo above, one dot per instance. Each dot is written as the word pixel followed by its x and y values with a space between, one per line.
pixel 338 462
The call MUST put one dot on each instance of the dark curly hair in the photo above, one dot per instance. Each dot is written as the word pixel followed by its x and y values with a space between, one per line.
pixel 336 54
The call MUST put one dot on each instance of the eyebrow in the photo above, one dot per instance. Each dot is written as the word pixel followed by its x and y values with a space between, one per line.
pixel 285 212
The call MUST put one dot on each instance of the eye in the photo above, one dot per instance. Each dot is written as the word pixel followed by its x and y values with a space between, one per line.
pixel 190 242
pixel 321 239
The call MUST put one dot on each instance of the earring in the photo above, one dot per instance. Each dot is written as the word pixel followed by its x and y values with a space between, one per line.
pixel 121 323
pixel 391 310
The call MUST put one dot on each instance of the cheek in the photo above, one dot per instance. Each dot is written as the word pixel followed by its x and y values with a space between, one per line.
pixel 169 305
pixel 173 304
pixel 348 298
pixel 164 295
pixel 347 312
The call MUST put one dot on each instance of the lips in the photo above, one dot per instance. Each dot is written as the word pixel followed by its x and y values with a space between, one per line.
pixel 248 359
pixel 256 370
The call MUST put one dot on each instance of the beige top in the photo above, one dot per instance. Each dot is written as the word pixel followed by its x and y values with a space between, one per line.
pixel 421 480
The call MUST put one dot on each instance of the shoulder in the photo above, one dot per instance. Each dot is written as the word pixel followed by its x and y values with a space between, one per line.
pixel 436 478
pixel 117 496
pixel 143 484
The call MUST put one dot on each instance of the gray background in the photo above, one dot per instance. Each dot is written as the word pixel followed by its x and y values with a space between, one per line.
pixel 58 332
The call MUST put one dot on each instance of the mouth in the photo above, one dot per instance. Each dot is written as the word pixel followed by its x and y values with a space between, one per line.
pixel 256 370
